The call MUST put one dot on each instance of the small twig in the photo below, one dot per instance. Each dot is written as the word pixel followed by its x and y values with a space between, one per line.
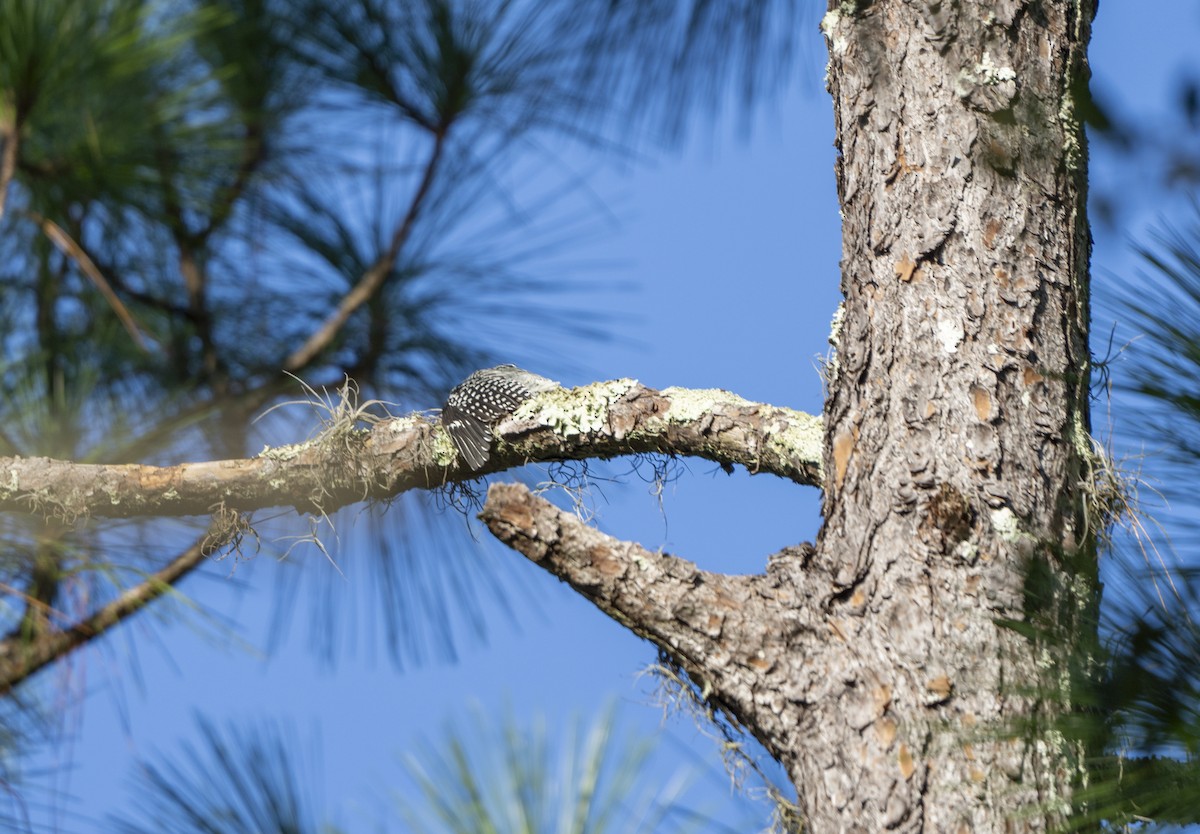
pixel 34 602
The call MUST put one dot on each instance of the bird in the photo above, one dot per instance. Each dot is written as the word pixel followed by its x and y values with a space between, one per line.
pixel 483 398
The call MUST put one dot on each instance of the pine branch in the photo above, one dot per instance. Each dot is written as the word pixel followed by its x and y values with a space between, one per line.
pixel 21 657
pixel 346 464
pixel 375 276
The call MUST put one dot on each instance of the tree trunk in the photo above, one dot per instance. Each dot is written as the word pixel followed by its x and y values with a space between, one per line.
pixel 957 420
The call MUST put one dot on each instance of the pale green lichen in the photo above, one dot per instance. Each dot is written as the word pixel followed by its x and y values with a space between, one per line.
pixel 1053 745
pixel 1008 528
pixel 1006 525
pixel 1069 119
pixel 794 436
pixel 829 365
pixel 989 72
pixel 803 439
pixel 1085 445
pixel 578 411
pixel 987 85
pixel 831 29
pixel 396 425
pixel 285 453
pixel 12 487
pixel 444 452
pixel 950 334
pixel 1068 113
pixel 690 404
pixel 835 326
pixel 838 42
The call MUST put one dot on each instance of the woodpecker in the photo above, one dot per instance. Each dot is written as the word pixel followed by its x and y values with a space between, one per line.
pixel 480 400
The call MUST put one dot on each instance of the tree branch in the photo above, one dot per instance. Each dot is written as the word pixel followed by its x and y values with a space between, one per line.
pixel 21 657
pixel 374 277
pixel 662 598
pixel 10 136
pixel 346 464
pixel 254 153
pixel 740 639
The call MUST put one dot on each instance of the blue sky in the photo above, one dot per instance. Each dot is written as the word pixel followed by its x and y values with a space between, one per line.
pixel 731 251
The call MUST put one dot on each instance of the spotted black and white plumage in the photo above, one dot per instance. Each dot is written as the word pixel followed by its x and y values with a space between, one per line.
pixel 483 398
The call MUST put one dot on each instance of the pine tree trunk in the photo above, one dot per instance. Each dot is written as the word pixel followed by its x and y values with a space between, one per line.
pixel 957 421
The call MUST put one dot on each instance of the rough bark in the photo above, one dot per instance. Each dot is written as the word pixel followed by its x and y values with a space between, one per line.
pixel 957 421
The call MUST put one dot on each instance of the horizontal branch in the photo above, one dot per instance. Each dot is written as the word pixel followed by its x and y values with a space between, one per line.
pixel 346 464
